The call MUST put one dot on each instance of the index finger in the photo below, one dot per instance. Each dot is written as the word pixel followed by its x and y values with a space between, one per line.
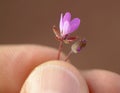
pixel 17 61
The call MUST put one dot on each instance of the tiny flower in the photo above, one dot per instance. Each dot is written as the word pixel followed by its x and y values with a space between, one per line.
pixel 67 25
pixel 77 46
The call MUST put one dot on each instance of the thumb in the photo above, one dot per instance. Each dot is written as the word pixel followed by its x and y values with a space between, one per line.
pixel 55 77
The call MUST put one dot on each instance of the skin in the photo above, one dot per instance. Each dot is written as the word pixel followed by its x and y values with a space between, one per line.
pixel 17 62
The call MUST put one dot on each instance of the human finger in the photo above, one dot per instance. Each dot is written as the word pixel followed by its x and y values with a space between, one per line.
pixel 17 61
pixel 102 81
pixel 55 77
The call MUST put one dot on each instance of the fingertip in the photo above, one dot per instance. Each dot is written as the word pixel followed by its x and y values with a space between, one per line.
pixel 55 77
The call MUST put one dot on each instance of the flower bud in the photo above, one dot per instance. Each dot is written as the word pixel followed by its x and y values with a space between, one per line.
pixel 77 46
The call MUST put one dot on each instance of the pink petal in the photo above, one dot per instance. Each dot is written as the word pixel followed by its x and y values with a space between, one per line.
pixel 74 24
pixel 61 23
pixel 66 28
pixel 67 17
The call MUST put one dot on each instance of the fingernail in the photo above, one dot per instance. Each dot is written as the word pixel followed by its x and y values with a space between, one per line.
pixel 52 79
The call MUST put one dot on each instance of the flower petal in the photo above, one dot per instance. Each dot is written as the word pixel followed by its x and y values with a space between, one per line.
pixel 61 23
pixel 67 17
pixel 66 28
pixel 74 24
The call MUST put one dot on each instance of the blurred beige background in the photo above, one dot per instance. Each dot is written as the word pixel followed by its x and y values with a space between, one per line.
pixel 30 22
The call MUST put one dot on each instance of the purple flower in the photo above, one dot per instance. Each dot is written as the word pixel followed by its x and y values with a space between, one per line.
pixel 67 25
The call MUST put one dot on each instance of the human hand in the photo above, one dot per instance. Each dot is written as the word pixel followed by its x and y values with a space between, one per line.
pixel 17 62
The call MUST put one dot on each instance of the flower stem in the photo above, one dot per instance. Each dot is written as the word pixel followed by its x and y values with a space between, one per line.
pixel 68 55
pixel 60 49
